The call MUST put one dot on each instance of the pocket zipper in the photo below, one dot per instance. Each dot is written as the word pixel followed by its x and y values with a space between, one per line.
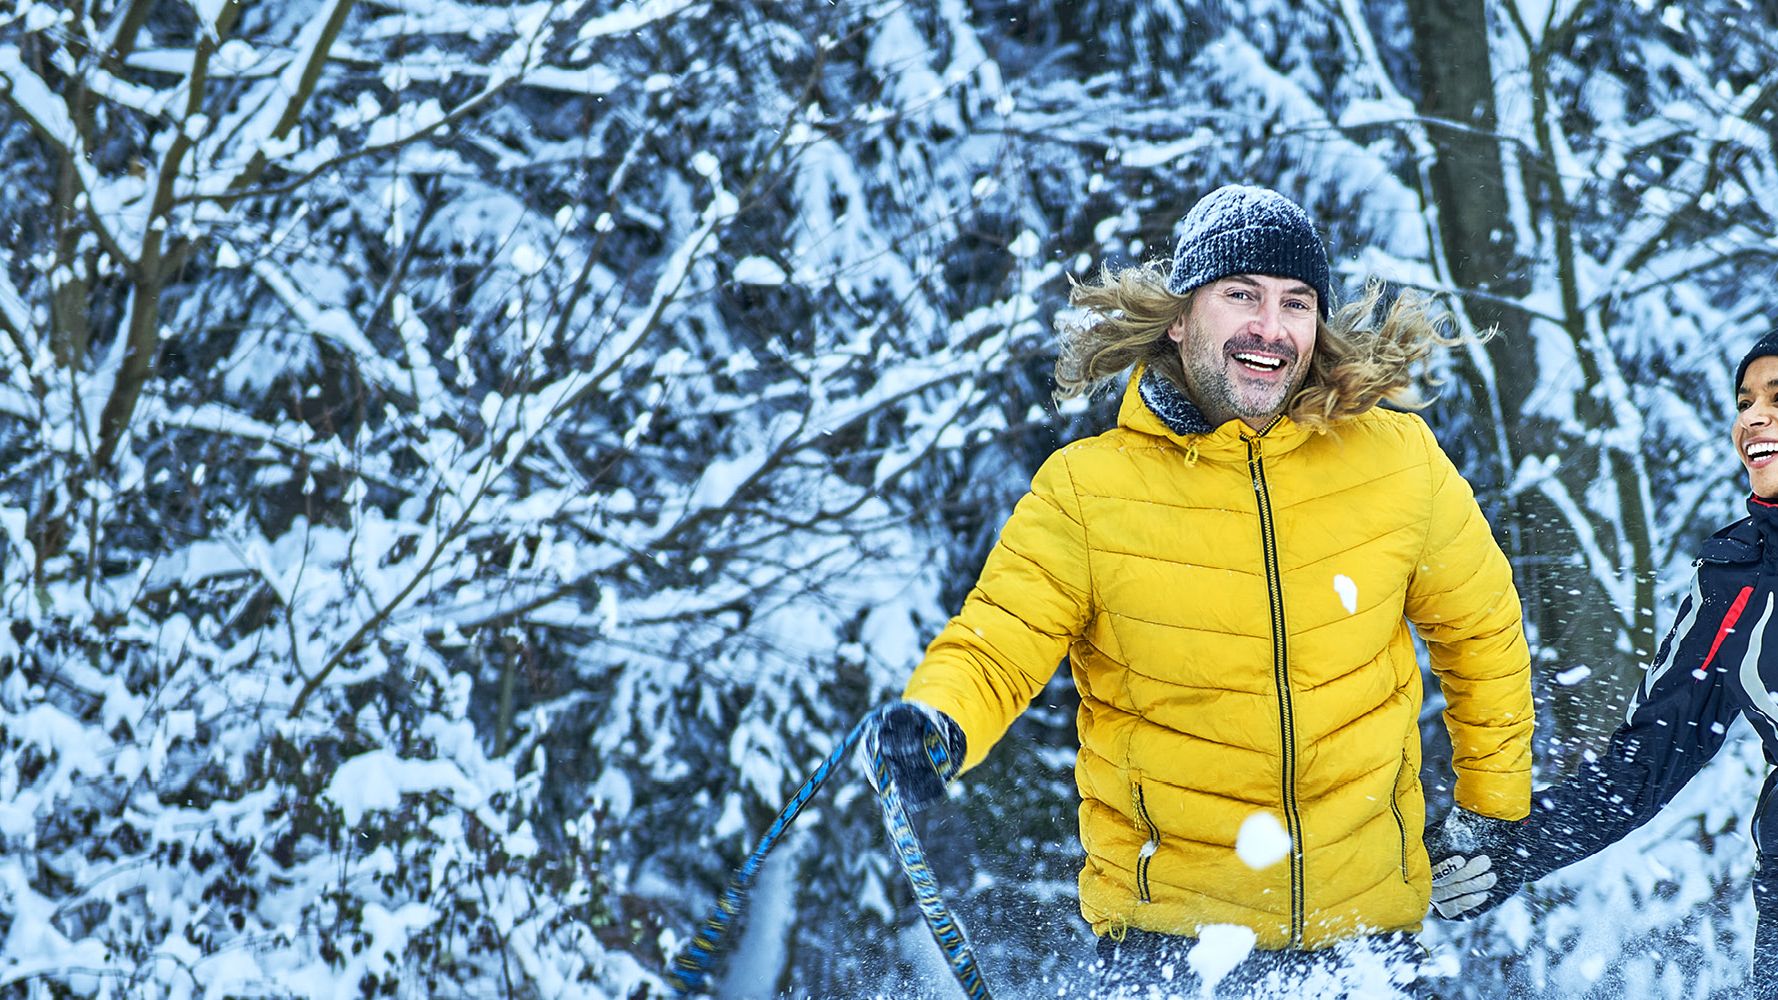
pixel 1401 824
pixel 1149 847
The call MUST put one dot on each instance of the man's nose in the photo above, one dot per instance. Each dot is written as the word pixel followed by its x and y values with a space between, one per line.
pixel 1268 320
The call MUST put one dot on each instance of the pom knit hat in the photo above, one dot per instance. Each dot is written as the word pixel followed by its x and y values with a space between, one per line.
pixel 1248 230
pixel 1767 345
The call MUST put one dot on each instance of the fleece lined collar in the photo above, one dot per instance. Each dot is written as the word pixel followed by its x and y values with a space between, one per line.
pixel 1154 405
pixel 1175 408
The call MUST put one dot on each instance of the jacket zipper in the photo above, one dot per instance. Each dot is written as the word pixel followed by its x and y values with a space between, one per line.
pixel 1281 678
pixel 1401 824
pixel 1149 847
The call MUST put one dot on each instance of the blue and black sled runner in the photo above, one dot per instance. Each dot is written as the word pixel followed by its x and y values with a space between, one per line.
pixel 692 967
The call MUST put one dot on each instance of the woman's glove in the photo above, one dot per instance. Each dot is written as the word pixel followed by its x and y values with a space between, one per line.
pixel 921 746
pixel 1474 863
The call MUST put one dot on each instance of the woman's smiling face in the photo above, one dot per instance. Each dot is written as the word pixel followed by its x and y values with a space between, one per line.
pixel 1755 431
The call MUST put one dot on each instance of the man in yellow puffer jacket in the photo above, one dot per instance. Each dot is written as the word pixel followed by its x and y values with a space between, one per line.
pixel 1232 573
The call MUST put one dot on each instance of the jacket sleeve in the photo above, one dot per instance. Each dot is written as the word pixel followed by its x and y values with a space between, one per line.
pixel 1031 601
pixel 1677 721
pixel 1462 602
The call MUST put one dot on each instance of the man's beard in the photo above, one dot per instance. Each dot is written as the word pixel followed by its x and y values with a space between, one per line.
pixel 1213 386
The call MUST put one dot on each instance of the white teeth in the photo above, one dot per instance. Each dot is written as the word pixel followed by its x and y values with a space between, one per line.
pixel 1761 449
pixel 1258 361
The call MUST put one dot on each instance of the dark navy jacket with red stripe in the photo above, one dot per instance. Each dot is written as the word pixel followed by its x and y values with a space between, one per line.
pixel 1720 659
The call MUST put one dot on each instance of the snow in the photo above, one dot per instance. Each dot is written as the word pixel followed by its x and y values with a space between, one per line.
pixel 1219 949
pixel 1263 841
pixel 759 271
pixel 1238 206
pixel 1574 675
pixel 634 15
pixel 378 780
pixel 1152 154
pixel 595 80
pixel 613 790
pixel 527 260
pixel 557 438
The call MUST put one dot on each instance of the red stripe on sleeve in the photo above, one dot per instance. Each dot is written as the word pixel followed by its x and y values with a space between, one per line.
pixel 1722 631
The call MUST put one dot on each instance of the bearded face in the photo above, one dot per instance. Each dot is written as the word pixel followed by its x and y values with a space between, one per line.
pixel 1245 344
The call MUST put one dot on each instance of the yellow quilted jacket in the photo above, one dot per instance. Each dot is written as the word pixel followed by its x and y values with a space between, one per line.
pixel 1235 609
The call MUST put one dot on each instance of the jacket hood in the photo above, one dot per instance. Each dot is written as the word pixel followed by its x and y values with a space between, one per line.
pixel 1152 404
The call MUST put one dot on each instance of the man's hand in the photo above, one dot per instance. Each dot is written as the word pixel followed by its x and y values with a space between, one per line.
pixel 921 746
pixel 1471 869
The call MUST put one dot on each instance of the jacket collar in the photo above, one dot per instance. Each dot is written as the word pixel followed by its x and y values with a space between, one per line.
pixel 1764 514
pixel 1152 404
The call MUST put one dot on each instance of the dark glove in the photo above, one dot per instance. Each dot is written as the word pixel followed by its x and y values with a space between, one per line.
pixel 1475 863
pixel 921 746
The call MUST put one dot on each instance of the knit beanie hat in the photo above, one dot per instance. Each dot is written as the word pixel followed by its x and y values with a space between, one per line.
pixel 1768 345
pixel 1238 229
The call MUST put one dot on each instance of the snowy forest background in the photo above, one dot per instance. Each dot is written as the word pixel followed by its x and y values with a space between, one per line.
pixel 462 464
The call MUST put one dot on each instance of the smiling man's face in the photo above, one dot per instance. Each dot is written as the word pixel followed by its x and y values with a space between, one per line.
pixel 1246 343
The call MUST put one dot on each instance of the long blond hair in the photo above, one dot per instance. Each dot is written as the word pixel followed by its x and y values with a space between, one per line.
pixel 1120 318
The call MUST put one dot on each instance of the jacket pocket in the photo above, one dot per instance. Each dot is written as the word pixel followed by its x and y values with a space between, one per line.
pixel 1401 824
pixel 1149 846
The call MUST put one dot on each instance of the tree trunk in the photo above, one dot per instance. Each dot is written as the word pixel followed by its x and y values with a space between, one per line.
pixel 1566 610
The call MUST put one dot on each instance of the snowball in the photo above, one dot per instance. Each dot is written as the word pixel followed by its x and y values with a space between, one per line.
pixel 1263 841
pixel 1348 591
pixel 1220 948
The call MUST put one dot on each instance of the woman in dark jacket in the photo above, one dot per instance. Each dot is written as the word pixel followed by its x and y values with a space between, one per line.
pixel 1720 660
